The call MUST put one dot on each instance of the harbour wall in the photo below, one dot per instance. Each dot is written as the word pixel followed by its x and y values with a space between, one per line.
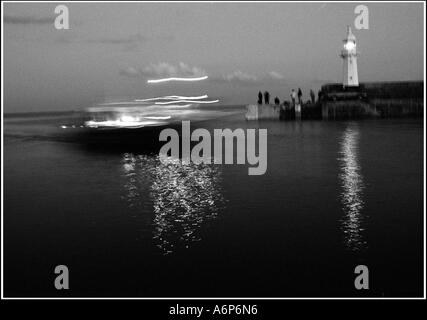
pixel 375 99
pixel 368 100
pixel 263 111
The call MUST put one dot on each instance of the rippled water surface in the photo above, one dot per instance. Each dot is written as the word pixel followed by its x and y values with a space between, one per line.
pixel 335 195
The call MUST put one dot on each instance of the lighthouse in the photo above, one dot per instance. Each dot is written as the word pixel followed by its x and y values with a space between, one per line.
pixel 349 56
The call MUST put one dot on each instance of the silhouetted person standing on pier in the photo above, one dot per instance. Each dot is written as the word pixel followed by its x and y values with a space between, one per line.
pixel 293 97
pixel 260 97
pixel 312 96
pixel 299 95
pixel 267 97
pixel 319 95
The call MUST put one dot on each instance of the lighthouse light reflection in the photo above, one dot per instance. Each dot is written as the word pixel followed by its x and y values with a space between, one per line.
pixel 352 186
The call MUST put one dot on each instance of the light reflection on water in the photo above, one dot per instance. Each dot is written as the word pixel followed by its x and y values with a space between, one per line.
pixel 182 196
pixel 352 186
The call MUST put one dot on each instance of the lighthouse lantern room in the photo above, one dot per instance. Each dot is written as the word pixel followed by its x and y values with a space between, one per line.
pixel 349 55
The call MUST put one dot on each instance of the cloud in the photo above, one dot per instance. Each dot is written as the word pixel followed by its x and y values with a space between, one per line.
pixel 275 75
pixel 28 20
pixel 130 72
pixel 163 70
pixel 243 78
pixel 240 76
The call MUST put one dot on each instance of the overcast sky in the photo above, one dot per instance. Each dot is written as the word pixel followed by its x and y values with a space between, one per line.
pixel 112 49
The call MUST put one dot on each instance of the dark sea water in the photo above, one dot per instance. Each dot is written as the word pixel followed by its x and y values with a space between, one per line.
pixel 335 195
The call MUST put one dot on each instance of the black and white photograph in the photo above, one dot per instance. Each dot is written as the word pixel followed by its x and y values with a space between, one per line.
pixel 184 151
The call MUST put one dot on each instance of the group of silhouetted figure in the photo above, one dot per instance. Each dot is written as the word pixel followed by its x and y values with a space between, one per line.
pixel 296 96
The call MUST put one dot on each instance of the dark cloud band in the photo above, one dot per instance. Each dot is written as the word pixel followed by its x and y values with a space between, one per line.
pixel 24 20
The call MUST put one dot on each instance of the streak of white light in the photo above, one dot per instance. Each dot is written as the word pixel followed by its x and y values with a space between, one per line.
pixel 188 101
pixel 173 98
pixel 117 103
pixel 177 79
pixel 158 118
pixel 119 124
pixel 178 105
pixel 122 109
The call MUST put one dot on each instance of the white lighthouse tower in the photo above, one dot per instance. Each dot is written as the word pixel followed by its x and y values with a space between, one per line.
pixel 349 55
